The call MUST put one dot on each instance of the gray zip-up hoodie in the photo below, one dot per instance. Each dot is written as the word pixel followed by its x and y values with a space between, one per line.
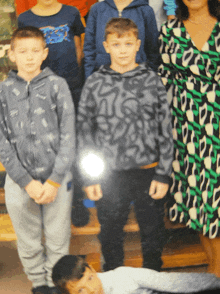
pixel 36 128
pixel 126 118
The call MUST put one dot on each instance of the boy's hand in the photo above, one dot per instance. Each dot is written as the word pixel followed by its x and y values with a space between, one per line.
pixel 34 189
pixel 49 194
pixel 94 192
pixel 158 190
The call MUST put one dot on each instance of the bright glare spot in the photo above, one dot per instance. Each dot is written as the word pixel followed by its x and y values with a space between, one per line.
pixel 93 165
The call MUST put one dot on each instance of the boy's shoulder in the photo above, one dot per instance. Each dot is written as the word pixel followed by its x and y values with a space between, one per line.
pixel 9 80
pixel 97 74
pixel 25 14
pixel 98 7
pixel 70 9
pixel 7 86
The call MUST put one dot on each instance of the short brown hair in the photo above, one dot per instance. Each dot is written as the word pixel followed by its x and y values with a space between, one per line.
pixel 120 26
pixel 68 268
pixel 27 32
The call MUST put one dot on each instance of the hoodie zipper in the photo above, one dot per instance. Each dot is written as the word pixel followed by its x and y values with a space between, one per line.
pixel 27 87
pixel 120 13
pixel 32 127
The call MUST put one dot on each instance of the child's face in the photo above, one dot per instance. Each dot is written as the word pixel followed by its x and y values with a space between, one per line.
pixel 122 50
pixel 28 54
pixel 88 284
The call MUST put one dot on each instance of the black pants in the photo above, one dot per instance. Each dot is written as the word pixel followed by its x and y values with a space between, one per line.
pixel 119 190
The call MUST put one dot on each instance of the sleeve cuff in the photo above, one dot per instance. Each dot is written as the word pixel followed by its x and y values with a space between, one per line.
pixel 162 179
pixel 171 11
pixel 57 185
pixel 24 181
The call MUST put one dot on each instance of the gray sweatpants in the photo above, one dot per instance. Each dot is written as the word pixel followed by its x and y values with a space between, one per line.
pixel 30 220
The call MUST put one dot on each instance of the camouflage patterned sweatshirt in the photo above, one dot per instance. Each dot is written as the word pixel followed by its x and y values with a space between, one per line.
pixel 126 119
pixel 36 127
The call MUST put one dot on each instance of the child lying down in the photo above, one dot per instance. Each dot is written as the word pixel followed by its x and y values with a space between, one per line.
pixel 72 274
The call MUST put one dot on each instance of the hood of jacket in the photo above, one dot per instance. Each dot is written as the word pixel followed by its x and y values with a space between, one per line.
pixel 133 4
pixel 139 70
pixel 46 72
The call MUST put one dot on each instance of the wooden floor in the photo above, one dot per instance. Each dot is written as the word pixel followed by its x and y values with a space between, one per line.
pixel 14 281
pixel 183 251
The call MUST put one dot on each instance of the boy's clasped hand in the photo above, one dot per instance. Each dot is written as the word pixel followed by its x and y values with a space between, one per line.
pixel 158 190
pixel 41 193
pixel 94 192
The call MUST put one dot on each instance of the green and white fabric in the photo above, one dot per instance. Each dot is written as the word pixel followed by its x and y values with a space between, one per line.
pixel 195 76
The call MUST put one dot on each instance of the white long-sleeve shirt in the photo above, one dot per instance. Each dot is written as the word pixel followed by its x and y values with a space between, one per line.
pixel 129 280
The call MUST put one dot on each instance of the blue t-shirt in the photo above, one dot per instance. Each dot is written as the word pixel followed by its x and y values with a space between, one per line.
pixel 59 31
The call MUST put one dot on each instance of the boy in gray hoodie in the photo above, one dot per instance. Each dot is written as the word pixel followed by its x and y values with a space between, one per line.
pixel 124 127
pixel 37 150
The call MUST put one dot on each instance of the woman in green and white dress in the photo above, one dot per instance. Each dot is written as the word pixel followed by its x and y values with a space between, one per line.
pixel 190 50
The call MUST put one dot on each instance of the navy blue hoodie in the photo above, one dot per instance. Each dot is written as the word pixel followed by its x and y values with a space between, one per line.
pixel 141 13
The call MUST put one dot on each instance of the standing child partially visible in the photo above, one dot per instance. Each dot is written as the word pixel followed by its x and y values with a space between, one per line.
pixel 37 149
pixel 163 9
pixel 124 126
pixel 100 13
pixel 62 27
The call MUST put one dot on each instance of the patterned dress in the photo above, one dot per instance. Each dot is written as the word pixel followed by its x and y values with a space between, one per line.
pixel 195 77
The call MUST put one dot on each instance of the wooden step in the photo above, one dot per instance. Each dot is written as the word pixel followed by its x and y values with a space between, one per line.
pixel 2 196
pixel 184 252
pixel 94 259
pixel 191 256
pixel 93 228
pixel 6 230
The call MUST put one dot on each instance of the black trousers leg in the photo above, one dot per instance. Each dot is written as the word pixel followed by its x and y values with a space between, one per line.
pixel 150 217
pixel 113 211
pixel 118 192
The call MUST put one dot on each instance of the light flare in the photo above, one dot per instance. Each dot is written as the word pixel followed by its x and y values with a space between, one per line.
pixel 93 165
